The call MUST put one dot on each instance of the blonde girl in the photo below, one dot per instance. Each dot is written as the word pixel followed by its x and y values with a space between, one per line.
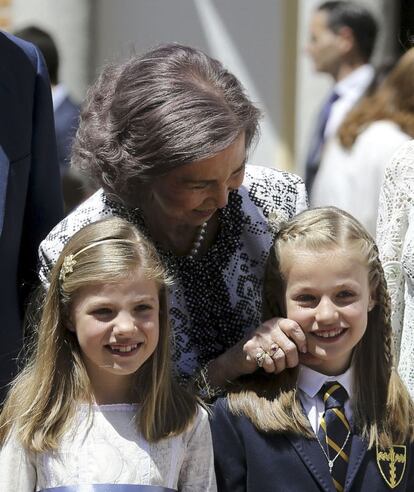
pixel 96 403
pixel 343 419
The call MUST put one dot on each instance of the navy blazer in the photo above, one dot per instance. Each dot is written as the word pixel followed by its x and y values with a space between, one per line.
pixel 30 193
pixel 251 461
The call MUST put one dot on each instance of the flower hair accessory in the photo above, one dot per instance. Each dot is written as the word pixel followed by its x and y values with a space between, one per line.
pixel 67 267
pixel 69 261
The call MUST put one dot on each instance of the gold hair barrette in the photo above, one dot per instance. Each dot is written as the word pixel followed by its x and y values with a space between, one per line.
pixel 69 262
pixel 67 267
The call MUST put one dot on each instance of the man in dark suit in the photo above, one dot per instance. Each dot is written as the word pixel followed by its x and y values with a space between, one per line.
pixel 30 194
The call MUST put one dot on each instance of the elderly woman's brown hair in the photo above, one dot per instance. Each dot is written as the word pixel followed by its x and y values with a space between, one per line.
pixel 392 101
pixel 383 412
pixel 143 118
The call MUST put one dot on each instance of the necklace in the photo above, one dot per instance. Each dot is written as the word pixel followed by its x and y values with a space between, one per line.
pixel 198 241
pixel 332 461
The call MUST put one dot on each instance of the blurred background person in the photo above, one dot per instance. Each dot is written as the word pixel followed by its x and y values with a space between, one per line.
pixel 342 40
pixel 353 164
pixel 75 187
pixel 65 110
pixel 30 194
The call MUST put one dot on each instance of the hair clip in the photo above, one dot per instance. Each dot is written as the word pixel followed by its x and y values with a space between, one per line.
pixel 276 220
pixel 67 267
pixel 69 262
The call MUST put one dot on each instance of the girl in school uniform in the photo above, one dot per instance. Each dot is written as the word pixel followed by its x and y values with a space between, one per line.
pixel 96 407
pixel 343 419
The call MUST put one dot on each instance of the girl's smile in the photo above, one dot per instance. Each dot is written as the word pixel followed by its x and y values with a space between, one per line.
pixel 329 335
pixel 123 350
pixel 328 295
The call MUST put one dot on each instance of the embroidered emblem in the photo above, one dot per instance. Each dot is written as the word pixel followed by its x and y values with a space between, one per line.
pixel 391 463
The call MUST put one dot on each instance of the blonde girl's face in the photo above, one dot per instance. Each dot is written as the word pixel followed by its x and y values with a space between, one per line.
pixel 117 327
pixel 328 295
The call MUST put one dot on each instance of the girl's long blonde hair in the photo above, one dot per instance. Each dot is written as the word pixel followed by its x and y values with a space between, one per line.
pixel 383 412
pixel 42 401
pixel 393 100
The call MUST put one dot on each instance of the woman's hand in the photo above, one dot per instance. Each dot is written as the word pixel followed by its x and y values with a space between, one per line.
pixel 273 345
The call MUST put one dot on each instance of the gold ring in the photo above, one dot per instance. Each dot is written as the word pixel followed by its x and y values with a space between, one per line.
pixel 260 358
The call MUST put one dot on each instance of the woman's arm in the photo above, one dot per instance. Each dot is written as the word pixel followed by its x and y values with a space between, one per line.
pixel 279 340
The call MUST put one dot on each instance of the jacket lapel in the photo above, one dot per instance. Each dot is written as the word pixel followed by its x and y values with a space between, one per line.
pixel 358 451
pixel 313 458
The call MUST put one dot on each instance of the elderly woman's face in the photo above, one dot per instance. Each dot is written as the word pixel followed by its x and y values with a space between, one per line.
pixel 191 194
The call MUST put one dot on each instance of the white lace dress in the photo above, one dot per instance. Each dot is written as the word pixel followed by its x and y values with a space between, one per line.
pixel 395 237
pixel 107 449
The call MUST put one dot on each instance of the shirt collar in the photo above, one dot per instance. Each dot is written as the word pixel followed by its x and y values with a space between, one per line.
pixel 59 93
pixel 357 81
pixel 310 381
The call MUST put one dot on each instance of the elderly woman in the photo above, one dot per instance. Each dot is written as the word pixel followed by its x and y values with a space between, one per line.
pixel 166 137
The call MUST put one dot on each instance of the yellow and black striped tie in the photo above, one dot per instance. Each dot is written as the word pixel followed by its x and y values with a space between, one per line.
pixel 335 432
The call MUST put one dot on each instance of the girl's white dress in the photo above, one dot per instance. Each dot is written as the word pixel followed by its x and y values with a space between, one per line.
pixel 395 238
pixel 108 449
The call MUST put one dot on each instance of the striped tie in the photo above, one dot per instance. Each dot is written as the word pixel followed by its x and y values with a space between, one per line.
pixel 334 432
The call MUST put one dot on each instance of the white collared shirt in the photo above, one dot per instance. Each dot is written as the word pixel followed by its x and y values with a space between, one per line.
pixel 59 93
pixel 310 382
pixel 349 89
